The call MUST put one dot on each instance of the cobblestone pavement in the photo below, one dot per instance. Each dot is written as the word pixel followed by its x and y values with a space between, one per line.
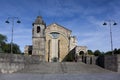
pixel 97 76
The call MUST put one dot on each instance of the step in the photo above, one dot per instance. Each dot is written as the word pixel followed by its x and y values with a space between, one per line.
pixel 64 67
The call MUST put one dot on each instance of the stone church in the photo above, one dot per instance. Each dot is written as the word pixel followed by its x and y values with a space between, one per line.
pixel 53 42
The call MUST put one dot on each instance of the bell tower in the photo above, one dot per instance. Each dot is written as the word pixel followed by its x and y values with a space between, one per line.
pixel 38 37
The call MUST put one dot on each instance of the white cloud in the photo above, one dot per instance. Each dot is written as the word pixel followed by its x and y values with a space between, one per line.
pixel 84 18
pixel 98 40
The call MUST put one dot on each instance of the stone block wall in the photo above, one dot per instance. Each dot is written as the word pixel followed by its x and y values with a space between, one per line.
pixel 10 63
pixel 105 61
pixel 88 59
pixel 118 60
pixel 108 62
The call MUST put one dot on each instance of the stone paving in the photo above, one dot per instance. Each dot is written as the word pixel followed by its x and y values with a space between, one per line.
pixel 62 71
pixel 64 67
pixel 98 76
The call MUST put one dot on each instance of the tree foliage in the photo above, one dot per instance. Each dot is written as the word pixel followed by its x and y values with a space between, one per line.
pixel 115 51
pixel 90 52
pixel 6 47
pixel 3 38
pixel 97 53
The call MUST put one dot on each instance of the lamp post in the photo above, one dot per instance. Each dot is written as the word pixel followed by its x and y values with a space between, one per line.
pixel 12 19
pixel 110 23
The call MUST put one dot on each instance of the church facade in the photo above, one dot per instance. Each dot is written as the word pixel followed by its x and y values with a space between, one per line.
pixel 53 42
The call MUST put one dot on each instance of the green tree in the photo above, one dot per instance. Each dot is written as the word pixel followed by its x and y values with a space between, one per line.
pixel 90 52
pixel 5 47
pixel 16 49
pixel 108 53
pixel 118 51
pixel 97 53
pixel 115 51
pixel 3 39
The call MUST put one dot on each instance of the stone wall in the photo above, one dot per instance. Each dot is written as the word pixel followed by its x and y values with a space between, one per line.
pixel 88 59
pixel 105 61
pixel 108 62
pixel 10 63
pixel 118 60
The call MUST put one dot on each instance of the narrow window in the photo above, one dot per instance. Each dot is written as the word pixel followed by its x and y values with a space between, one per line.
pixel 38 29
pixel 58 50
pixel 49 51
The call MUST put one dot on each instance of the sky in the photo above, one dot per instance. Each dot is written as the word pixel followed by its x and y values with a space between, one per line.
pixel 83 17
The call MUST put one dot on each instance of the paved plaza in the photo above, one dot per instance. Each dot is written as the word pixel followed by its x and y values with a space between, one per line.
pixel 97 76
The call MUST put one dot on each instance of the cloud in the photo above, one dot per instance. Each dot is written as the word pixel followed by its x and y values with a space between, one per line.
pixel 84 18
pixel 94 40
pixel 98 40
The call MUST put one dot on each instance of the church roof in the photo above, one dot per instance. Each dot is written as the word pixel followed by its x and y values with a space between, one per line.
pixel 60 26
pixel 39 20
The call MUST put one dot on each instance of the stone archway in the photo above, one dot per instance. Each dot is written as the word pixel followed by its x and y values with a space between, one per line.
pixel 81 53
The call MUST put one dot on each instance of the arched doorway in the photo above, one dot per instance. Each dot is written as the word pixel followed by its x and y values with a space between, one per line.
pixel 81 53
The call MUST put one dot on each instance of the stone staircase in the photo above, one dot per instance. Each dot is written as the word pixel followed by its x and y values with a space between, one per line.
pixel 60 68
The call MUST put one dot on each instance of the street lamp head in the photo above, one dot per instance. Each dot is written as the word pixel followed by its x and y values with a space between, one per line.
pixel 7 22
pixel 18 21
pixel 104 23
pixel 115 23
